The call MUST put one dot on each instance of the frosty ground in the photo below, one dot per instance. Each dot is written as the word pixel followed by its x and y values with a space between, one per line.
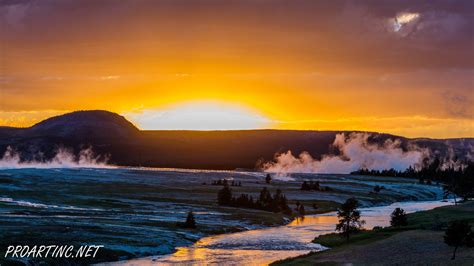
pixel 133 212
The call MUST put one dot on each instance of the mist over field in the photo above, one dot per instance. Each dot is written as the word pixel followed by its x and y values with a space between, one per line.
pixel 63 158
pixel 355 152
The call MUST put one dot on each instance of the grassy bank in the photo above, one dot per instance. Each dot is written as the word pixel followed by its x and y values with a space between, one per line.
pixel 419 242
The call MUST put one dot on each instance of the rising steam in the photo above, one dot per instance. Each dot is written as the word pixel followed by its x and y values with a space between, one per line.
pixel 63 158
pixel 355 153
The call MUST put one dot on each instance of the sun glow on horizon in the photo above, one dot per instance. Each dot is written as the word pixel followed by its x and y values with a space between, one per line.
pixel 201 115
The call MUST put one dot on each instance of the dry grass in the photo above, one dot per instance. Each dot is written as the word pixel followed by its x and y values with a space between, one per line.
pixel 408 248
pixel 411 247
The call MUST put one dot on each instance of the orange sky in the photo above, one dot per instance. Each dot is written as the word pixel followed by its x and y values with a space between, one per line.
pixel 397 68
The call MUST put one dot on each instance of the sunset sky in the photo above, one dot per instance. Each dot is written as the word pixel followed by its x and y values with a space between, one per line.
pixel 401 67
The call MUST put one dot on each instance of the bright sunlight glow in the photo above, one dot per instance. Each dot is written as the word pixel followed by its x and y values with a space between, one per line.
pixel 199 116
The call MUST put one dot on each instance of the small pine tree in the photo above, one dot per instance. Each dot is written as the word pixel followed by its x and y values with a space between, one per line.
pixel 190 221
pixel 349 218
pixel 301 210
pixel 316 186
pixel 459 234
pixel 377 189
pixel 398 218
pixel 224 196
pixel 305 186
pixel 268 179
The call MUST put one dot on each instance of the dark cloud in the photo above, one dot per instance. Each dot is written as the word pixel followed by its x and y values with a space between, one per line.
pixel 14 2
pixel 308 35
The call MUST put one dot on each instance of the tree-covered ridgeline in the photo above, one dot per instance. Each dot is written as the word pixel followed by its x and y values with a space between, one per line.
pixel 457 177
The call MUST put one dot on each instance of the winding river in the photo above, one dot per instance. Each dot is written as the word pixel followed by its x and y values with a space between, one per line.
pixel 263 246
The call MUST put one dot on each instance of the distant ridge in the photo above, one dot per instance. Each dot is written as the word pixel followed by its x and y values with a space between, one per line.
pixel 111 134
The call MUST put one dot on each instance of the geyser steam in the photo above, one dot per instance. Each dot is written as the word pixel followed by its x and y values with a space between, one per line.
pixel 63 158
pixel 355 153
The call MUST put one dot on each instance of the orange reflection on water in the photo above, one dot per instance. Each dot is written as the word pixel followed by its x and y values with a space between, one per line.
pixel 314 220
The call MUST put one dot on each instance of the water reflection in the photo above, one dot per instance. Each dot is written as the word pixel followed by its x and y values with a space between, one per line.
pixel 260 247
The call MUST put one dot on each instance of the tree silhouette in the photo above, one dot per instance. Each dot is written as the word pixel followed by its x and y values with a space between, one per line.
pixel 297 205
pixel 190 221
pixel 349 218
pixel 301 210
pixel 265 198
pixel 224 197
pixel 457 178
pixel 377 188
pixel 449 189
pixel 265 201
pixel 459 234
pixel 305 186
pixel 398 218
pixel 310 185
pixel 268 179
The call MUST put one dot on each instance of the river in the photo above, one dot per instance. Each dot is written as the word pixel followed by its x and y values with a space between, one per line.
pixel 263 246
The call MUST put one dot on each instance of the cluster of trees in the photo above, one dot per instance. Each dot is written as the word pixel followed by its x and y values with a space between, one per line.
pixel 222 182
pixel 310 185
pixel 266 201
pixel 378 188
pixel 458 234
pixel 350 221
pixel 307 186
pixel 434 171
pixel 457 180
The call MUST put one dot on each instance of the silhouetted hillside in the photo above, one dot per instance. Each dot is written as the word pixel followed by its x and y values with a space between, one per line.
pixel 112 134
pixel 85 124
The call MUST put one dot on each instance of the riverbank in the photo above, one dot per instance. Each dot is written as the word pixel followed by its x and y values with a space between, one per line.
pixel 421 242
pixel 134 212
pixel 264 246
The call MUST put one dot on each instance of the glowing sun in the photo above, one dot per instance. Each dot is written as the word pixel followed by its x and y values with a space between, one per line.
pixel 199 116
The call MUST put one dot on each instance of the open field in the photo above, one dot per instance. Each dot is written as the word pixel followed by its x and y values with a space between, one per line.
pixel 133 212
pixel 421 242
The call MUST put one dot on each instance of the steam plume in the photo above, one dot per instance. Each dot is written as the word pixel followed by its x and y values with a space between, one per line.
pixel 355 153
pixel 64 158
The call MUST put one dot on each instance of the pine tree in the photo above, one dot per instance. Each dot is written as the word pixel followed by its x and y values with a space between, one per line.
pixel 398 218
pixel 265 195
pixel 268 179
pixel 349 218
pixel 190 221
pixel 224 196
pixel 305 186
pixel 301 210
pixel 297 205
pixel 459 234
